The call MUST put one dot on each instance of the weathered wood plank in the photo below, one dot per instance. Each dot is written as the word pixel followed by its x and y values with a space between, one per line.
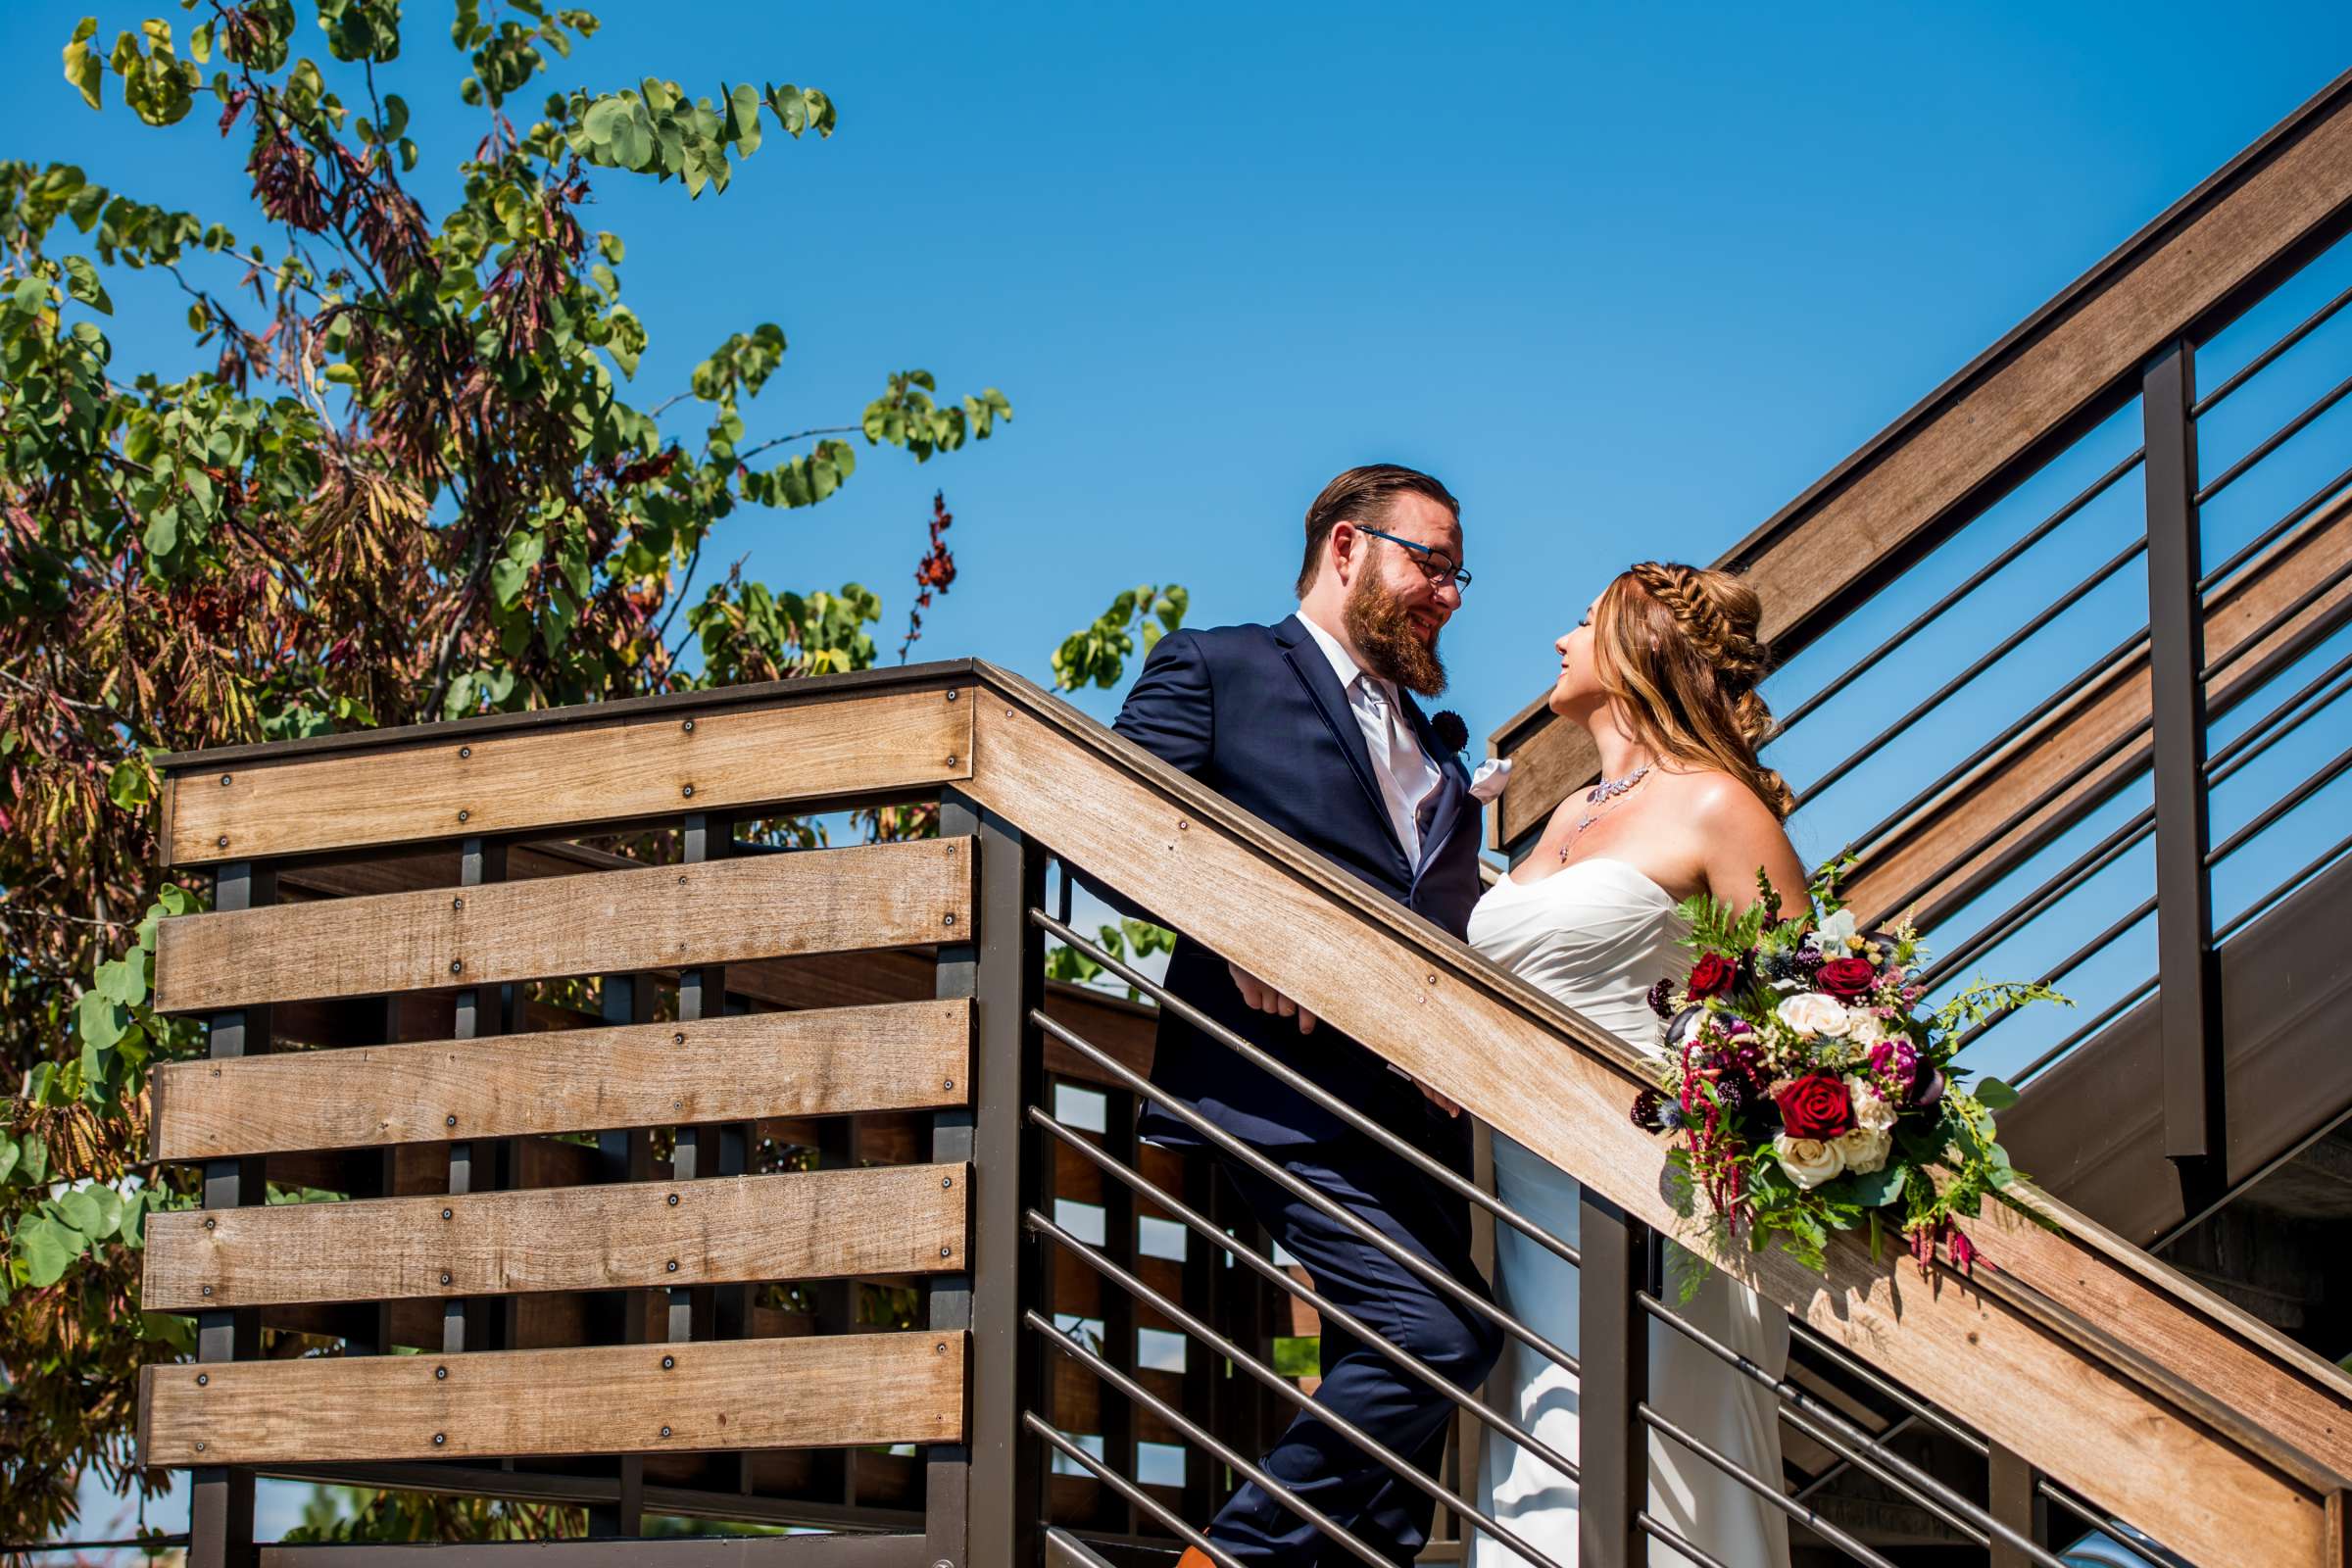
pixel 836 1391
pixel 1842 528
pixel 882 1220
pixel 876 896
pixel 1450 1019
pixel 896 1057
pixel 592 772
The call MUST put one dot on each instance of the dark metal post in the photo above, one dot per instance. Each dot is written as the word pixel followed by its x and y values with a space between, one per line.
pixel 1613 1346
pixel 1010 1267
pixel 220 1498
pixel 2014 1499
pixel 478 1165
pixel 625 1156
pixel 1119 1325
pixel 2195 1133
pixel 948 1297
pixel 721 1312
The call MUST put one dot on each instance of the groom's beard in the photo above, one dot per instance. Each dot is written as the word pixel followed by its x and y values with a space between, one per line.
pixel 1381 622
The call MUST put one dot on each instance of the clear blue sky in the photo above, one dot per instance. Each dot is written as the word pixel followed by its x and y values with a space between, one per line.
pixel 1627 277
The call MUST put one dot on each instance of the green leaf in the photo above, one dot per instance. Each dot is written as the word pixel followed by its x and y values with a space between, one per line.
pixel 84 69
pixel 1878 1188
pixel 33 1169
pixel 81 281
pixel 45 1250
pixel 9 1156
pixel 1994 1095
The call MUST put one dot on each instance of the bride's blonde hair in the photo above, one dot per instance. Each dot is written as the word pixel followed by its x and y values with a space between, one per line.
pixel 1677 647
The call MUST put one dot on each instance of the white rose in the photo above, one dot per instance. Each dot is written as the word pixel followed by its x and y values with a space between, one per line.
pixel 1862 1149
pixel 1871 1110
pixel 1812 1014
pixel 1866 1029
pixel 1836 929
pixel 1808 1160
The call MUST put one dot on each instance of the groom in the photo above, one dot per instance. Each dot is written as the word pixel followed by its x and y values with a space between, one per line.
pixel 1312 725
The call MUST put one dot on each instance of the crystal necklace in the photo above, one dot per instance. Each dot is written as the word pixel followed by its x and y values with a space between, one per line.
pixel 1600 794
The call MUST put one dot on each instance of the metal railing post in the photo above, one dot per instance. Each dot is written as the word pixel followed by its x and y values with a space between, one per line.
pixel 2194 1130
pixel 2014 1499
pixel 1613 1378
pixel 220 1498
pixel 1010 1268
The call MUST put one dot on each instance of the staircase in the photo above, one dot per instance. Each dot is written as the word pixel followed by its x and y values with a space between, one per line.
pixel 691 1168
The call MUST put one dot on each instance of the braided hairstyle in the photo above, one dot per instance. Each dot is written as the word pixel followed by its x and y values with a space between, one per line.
pixel 1677 647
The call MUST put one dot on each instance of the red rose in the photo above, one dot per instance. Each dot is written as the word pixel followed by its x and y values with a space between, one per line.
pixel 1815 1106
pixel 1712 976
pixel 1847 979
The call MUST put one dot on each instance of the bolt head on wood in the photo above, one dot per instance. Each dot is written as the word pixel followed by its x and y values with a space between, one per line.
pixel 458 902
pixel 445 1276
pixel 688 792
pixel 464 751
pixel 679 1038
pixel 673 1200
pixel 203 1378
pixel 211 1224
pixel 668 1361
pixel 947 920
pixel 448 1214
pixel 440 1374
pixel 207 1290
pixel 449 1121
pixel 464 816
pixel 439 1440
pixel 688 726
pixel 671 1267
pixel 221 842
pixel 945 1251
pixel 946 1083
pixel 665 1432
pixel 457 966
pixel 224 781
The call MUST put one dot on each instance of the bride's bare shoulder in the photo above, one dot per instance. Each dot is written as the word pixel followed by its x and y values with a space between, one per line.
pixel 1713 798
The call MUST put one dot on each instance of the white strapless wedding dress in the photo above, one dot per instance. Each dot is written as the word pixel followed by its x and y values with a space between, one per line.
pixel 1598 934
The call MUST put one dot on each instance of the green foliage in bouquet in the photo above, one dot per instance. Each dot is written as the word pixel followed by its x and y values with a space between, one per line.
pixel 1807 1095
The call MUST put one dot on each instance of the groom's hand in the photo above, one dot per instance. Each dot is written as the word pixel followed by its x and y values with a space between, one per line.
pixel 1265 998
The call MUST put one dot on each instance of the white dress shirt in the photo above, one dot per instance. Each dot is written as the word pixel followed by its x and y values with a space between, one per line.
pixel 1403 770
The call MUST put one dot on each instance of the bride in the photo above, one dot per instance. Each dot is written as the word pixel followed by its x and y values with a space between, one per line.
pixel 1662 672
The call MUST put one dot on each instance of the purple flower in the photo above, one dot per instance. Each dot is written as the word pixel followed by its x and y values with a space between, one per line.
pixel 1658 999
pixel 1895 1062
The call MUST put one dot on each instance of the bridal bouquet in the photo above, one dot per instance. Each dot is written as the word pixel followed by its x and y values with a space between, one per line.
pixel 1806 1094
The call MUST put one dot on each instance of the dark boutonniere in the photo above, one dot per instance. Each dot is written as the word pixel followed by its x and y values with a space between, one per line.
pixel 1449 729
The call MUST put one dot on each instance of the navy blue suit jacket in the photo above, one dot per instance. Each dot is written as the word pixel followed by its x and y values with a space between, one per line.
pixel 1255 714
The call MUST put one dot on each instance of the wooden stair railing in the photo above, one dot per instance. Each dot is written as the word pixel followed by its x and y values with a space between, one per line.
pixel 2091 1363
pixel 2102 1368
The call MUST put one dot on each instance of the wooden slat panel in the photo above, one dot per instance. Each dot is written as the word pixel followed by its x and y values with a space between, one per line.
pixel 595 771
pixel 883 1220
pixel 1927 852
pixel 1841 531
pixel 904 1055
pixel 877 896
pixel 837 1390
pixel 1451 1019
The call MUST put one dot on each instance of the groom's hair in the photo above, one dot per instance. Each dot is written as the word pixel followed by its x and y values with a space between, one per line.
pixel 1364 496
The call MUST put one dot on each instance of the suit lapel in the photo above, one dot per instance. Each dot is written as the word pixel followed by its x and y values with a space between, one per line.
pixel 1452 787
pixel 1314 671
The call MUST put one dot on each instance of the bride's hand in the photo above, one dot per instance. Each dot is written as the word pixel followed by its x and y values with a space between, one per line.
pixel 1437 1100
pixel 1265 998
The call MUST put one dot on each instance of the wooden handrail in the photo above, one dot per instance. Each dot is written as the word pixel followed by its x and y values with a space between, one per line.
pixel 2171 1409
pixel 2076 360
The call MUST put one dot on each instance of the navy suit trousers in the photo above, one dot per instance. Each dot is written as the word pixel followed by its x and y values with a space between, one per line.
pixel 1361 1384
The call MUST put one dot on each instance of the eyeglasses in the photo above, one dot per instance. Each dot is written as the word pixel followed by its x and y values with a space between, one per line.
pixel 1436 564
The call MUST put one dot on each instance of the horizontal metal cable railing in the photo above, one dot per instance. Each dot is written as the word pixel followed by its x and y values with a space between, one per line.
pixel 1803 1412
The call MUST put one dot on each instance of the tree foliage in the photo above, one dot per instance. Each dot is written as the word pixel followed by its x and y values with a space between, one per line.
pixel 406 480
